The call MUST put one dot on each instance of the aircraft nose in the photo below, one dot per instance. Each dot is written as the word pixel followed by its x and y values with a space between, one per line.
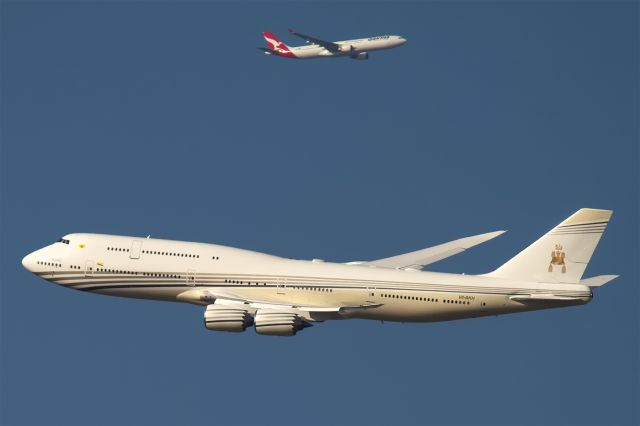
pixel 402 40
pixel 28 262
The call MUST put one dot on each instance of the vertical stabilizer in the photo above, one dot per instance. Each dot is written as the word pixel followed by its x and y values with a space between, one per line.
pixel 562 254
pixel 276 47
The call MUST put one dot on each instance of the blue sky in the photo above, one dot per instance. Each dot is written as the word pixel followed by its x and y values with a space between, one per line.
pixel 163 118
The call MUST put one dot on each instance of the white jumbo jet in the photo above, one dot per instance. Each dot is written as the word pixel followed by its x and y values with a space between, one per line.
pixel 279 296
pixel 316 48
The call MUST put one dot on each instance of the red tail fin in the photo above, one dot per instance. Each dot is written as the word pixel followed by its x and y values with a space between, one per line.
pixel 278 47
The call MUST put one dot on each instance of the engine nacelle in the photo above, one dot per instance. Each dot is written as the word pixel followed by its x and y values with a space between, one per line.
pixel 225 318
pixel 360 56
pixel 274 323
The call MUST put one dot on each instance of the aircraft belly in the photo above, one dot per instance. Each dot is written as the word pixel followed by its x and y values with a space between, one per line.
pixel 399 310
pixel 420 314
pixel 373 46
pixel 328 53
pixel 303 295
pixel 311 53
pixel 166 294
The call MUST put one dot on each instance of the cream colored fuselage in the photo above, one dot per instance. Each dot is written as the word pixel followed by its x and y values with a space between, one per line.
pixel 352 47
pixel 172 270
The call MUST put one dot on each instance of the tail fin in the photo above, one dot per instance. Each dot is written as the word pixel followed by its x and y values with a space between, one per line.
pixel 562 254
pixel 276 46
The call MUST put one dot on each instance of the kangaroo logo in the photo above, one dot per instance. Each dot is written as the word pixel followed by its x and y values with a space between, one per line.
pixel 277 45
pixel 557 259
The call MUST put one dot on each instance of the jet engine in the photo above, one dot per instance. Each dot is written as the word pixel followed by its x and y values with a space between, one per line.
pixel 225 318
pixel 275 323
pixel 360 56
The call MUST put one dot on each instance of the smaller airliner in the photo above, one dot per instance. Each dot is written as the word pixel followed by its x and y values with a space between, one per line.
pixel 317 48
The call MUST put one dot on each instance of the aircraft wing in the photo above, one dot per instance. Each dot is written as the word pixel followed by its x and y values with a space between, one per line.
pixel 330 46
pixel 209 296
pixel 420 258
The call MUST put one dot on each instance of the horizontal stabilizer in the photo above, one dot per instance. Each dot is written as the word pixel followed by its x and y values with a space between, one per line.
pixel 598 281
pixel 420 258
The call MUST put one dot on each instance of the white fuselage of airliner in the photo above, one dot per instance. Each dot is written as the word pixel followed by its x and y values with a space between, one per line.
pixel 164 269
pixel 240 287
pixel 317 48
pixel 355 46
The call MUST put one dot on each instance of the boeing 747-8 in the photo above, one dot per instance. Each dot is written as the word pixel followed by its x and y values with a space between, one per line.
pixel 279 296
pixel 317 48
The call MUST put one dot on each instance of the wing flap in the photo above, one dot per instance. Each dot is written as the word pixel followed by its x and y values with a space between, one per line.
pixel 420 258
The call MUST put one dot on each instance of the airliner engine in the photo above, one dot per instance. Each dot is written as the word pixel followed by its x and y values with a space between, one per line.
pixel 224 318
pixel 360 56
pixel 276 323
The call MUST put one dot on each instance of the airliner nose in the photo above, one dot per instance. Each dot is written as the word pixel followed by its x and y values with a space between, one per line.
pixel 27 262
pixel 402 40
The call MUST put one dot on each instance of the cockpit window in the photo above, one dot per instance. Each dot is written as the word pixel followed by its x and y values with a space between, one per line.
pixel 62 240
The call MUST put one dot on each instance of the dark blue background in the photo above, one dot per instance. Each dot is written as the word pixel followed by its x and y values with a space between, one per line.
pixel 162 118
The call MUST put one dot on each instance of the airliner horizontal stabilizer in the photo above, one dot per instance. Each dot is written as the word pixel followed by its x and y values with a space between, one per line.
pixel 598 281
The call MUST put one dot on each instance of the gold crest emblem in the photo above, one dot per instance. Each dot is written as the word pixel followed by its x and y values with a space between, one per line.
pixel 557 259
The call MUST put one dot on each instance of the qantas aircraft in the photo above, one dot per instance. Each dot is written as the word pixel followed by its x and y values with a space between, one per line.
pixel 316 48
pixel 279 296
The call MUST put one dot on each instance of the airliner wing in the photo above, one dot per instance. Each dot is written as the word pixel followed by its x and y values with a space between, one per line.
pixel 420 258
pixel 208 296
pixel 330 46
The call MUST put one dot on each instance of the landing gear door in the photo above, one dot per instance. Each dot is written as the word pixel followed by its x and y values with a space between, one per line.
pixel 136 246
